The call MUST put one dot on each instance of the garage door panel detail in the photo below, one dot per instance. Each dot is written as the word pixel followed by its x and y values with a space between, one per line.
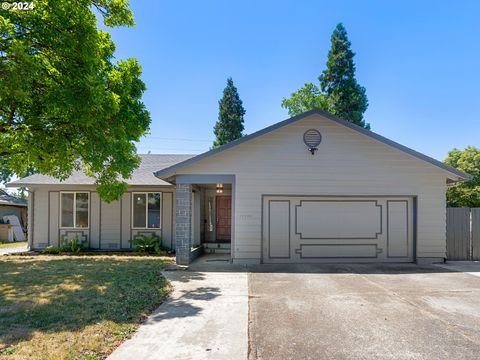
pixel 330 229
pixel 338 219
pixel 279 229
pixel 397 228
pixel 328 251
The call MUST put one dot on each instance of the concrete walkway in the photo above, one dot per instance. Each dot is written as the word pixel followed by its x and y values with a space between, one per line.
pixel 14 250
pixel 206 317
pixel 468 267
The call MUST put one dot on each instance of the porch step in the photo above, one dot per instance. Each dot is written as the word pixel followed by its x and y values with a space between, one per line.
pixel 217 251
pixel 217 248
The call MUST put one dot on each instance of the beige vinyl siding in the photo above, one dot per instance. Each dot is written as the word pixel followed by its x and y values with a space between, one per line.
pixel 53 235
pixel 31 201
pixel 41 220
pixel 94 220
pixel 110 225
pixel 346 163
pixel 126 220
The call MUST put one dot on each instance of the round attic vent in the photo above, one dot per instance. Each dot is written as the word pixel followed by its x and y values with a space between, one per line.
pixel 312 138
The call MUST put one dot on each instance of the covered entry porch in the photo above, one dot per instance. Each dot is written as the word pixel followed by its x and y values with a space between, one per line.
pixel 204 216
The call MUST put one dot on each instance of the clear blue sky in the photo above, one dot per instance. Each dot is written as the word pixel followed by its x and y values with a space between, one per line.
pixel 419 61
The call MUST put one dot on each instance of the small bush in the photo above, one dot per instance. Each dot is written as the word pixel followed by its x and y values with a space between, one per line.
pixel 147 244
pixel 52 250
pixel 73 246
pixel 8 350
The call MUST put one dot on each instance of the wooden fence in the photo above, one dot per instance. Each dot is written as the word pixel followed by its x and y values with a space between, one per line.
pixel 463 234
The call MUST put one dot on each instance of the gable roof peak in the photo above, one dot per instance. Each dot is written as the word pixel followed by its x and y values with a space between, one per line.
pixel 171 171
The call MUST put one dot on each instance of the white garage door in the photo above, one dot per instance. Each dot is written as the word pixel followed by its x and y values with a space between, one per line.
pixel 313 229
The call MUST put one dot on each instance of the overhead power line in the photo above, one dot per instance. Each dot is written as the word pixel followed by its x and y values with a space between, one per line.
pixel 145 147
pixel 177 139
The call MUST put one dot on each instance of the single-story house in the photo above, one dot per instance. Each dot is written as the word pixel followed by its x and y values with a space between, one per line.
pixel 11 205
pixel 313 188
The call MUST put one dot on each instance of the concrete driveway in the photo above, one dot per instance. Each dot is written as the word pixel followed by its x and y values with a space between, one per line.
pixel 363 312
pixel 222 311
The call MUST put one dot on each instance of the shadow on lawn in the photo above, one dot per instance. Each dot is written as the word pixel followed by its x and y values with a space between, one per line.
pixel 68 294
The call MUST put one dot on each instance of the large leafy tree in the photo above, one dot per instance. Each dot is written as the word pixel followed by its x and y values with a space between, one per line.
pixel 466 193
pixel 229 126
pixel 338 92
pixel 304 99
pixel 65 104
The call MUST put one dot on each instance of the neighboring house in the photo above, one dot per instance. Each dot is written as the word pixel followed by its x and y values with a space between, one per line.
pixel 268 198
pixel 12 205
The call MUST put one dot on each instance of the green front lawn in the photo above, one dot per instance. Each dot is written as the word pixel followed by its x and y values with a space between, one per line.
pixel 75 307
pixel 9 245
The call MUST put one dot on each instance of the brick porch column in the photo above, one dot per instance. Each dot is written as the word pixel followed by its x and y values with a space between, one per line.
pixel 183 223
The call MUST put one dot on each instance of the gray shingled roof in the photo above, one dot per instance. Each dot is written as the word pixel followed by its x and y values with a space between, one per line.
pixel 144 175
pixel 7 199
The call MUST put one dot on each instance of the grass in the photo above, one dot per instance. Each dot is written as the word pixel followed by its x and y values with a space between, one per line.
pixel 9 245
pixel 75 307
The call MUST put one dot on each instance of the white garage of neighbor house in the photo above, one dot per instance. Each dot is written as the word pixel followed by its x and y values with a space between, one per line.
pixel 312 188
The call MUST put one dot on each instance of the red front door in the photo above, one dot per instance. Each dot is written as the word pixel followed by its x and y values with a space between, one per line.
pixel 224 218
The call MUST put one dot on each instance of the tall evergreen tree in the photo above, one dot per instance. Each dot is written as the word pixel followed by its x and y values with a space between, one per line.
pixel 229 126
pixel 338 93
pixel 346 98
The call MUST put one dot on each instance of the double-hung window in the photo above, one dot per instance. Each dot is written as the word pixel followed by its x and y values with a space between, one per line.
pixel 147 210
pixel 74 209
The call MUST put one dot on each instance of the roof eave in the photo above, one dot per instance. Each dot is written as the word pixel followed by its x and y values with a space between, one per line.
pixel 13 204
pixel 14 184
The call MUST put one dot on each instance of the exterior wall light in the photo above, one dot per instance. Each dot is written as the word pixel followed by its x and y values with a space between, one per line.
pixel 219 188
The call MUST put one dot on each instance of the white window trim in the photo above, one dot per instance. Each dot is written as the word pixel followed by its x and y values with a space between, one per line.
pixel 74 210
pixel 146 209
